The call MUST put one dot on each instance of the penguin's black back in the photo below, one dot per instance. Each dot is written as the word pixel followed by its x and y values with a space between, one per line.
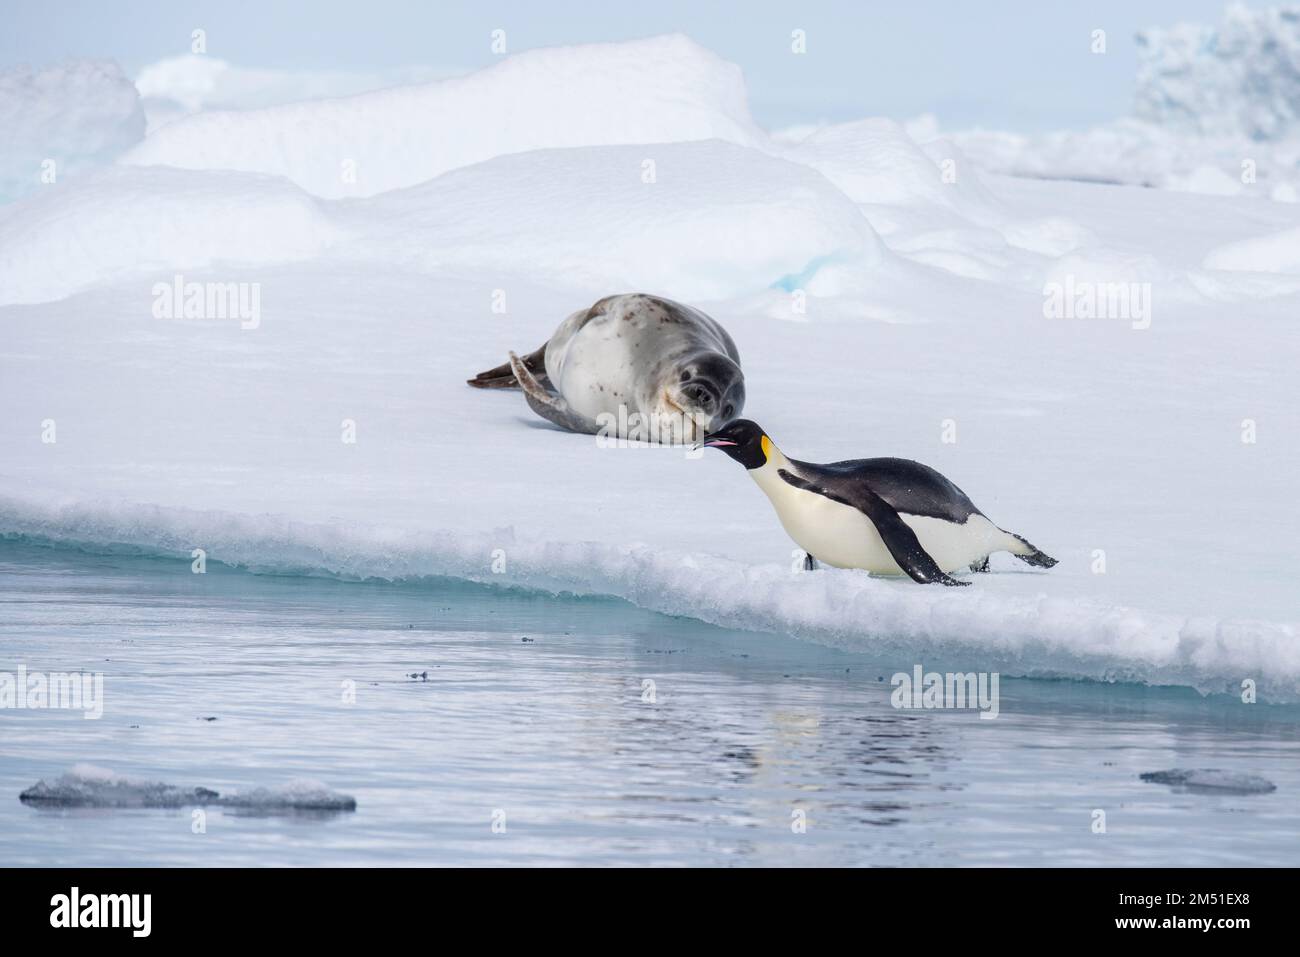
pixel 905 485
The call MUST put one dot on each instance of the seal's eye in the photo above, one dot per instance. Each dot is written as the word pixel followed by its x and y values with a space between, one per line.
pixel 686 375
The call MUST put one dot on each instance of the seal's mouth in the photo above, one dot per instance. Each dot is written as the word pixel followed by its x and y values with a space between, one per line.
pixel 694 423
pixel 686 407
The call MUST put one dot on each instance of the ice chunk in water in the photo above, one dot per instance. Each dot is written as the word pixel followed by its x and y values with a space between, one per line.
pixel 1208 780
pixel 88 786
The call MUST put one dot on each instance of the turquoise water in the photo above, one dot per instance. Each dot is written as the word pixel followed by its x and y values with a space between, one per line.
pixel 559 739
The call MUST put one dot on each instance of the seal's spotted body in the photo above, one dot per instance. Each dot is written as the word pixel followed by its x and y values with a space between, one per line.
pixel 627 362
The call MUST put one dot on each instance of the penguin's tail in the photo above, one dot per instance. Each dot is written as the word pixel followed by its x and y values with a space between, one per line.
pixel 1026 552
pixel 503 376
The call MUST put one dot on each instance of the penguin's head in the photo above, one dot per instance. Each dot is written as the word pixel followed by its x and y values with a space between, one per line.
pixel 744 441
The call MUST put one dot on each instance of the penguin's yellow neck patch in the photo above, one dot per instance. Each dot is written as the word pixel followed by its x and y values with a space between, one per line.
pixel 766 444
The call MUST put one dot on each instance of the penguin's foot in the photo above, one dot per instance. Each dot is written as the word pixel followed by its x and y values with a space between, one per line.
pixel 809 563
pixel 980 566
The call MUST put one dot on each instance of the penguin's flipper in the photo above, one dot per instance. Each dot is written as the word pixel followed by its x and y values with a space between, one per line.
pixel 548 405
pixel 897 535
pixel 902 542
pixel 503 376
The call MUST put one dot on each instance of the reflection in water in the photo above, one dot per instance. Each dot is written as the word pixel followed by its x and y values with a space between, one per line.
pixel 611 736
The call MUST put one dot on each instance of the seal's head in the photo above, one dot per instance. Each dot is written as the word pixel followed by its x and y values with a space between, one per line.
pixel 705 388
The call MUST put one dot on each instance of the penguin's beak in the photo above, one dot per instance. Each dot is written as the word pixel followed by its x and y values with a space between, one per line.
pixel 717 443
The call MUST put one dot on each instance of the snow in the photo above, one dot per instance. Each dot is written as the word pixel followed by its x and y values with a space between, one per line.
pixel 1139 153
pixel 180 85
pixel 737 219
pixel 878 306
pixel 1275 252
pixel 77 114
pixel 666 89
pixel 874 161
pixel 125 222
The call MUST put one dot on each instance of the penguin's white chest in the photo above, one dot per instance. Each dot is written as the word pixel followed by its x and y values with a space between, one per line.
pixel 844 537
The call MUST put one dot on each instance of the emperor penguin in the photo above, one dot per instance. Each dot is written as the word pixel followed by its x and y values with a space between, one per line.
pixel 887 516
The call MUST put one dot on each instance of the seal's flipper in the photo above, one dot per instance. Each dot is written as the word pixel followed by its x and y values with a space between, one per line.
pixel 903 545
pixel 503 376
pixel 548 405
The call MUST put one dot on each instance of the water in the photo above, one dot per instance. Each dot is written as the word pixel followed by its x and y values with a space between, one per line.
pixel 555 737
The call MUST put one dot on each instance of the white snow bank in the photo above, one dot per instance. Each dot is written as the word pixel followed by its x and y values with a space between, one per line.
pixel 1031 634
pixel 1241 77
pixel 664 89
pixel 1049 236
pixel 79 114
pixel 717 220
pixel 124 223
pixel 875 161
pixel 177 86
pixel 1126 151
pixel 87 785
pixel 1275 253
pixel 1140 153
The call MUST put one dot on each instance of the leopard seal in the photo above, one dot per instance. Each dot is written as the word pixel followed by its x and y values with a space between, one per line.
pixel 631 366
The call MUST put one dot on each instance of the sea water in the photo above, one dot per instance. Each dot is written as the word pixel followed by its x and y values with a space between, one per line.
pixel 479 726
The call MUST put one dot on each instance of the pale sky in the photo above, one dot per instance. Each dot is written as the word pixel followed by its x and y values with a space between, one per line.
pixel 1004 64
